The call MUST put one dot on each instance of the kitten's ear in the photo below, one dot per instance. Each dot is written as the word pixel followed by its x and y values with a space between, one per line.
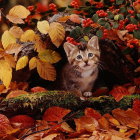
pixel 94 42
pixel 68 47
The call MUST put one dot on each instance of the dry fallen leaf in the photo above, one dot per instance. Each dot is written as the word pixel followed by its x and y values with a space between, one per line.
pixel 32 63
pixel 15 19
pixel 10 59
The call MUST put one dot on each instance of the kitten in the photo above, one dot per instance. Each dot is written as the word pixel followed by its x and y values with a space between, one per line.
pixel 81 71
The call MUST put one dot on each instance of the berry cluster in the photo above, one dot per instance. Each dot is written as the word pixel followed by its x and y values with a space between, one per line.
pixel 52 7
pixel 131 43
pixel 74 4
pixel 130 11
pixel 72 41
pixel 122 24
pixel 105 33
pixel 87 22
pixel 99 5
pixel 131 27
pixel 101 13
pixel 30 8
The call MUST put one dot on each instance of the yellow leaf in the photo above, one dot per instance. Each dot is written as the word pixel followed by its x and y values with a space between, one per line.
pixel 56 33
pixel 10 59
pixel 49 56
pixel 62 3
pixel 16 31
pixel 19 11
pixel 43 26
pixel 22 62
pixel 7 39
pixel 29 35
pixel 46 70
pixel 5 73
pixel 15 19
pixel 32 63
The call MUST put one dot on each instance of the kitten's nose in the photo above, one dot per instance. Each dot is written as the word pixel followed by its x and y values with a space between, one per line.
pixel 86 62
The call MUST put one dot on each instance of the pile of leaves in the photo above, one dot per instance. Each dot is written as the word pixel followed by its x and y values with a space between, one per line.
pixel 60 123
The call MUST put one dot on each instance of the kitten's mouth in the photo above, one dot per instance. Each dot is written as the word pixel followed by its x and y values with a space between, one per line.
pixel 86 65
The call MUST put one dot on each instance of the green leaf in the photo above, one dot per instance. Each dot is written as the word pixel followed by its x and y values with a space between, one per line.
pixel 95 17
pixel 136 34
pixel 76 33
pixel 118 2
pixel 123 10
pixel 110 15
pixel 133 20
pixel 99 33
pixel 138 16
pixel 116 17
pixel 121 17
pixel 107 26
pixel 61 9
pixel 127 51
pixel 115 25
pixel 86 30
pixel 102 21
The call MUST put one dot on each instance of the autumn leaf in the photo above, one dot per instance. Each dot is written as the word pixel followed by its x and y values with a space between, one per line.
pixel 56 33
pixel 136 106
pixel 49 56
pixel 7 39
pixel 5 73
pixel 38 89
pixel 92 113
pixel 55 114
pixel 37 136
pixel 63 19
pixel 10 59
pixel 66 128
pixel 15 19
pixel 119 92
pixel 75 18
pixel 22 62
pixel 16 31
pixel 50 137
pixel 103 122
pixel 32 63
pixel 28 35
pixel 39 44
pixel 43 26
pixel 86 123
pixel 24 120
pixel 15 93
pixel 127 118
pixel 19 11
pixel 46 70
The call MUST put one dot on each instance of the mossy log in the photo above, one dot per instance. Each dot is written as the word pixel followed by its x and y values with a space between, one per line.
pixel 35 104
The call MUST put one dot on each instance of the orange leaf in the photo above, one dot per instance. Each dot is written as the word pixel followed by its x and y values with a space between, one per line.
pixel 136 106
pixel 119 92
pixel 55 113
pixel 24 120
pixel 92 113
pixel 15 93
pixel 86 123
pixel 38 89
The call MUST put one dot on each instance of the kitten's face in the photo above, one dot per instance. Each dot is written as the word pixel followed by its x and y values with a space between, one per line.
pixel 85 59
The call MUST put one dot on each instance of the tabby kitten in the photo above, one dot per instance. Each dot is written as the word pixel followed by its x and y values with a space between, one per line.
pixel 82 70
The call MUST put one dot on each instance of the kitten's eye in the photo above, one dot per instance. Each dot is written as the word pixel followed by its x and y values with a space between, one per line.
pixel 90 55
pixel 79 57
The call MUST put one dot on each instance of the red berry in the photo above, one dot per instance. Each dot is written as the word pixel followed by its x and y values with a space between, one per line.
pixel 139 60
pixel 52 6
pixel 30 8
pixel 101 13
pixel 75 4
pixel 130 11
pixel 131 27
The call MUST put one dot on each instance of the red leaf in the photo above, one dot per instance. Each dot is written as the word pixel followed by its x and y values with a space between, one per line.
pixel 38 89
pixel 24 120
pixel 136 106
pixel 119 92
pixel 89 112
pixel 55 113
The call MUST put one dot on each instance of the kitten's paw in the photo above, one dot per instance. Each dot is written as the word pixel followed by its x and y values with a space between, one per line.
pixel 87 94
